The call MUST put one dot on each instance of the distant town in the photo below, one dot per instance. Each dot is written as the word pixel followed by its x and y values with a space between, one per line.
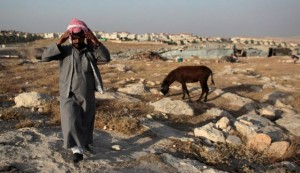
pixel 12 36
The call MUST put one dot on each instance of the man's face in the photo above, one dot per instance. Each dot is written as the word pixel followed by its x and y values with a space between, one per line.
pixel 78 41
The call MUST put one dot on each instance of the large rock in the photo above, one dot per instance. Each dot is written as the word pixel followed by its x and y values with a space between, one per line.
pixel 31 99
pixel 188 165
pixel 269 111
pixel 259 142
pixel 237 100
pixel 278 149
pixel 135 89
pixel 216 112
pixel 251 124
pixel 291 123
pixel 176 107
pixel 274 132
pixel 223 123
pixel 209 132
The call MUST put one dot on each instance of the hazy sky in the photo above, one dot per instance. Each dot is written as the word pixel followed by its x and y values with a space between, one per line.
pixel 224 18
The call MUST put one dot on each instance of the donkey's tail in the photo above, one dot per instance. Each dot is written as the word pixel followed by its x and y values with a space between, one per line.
pixel 212 80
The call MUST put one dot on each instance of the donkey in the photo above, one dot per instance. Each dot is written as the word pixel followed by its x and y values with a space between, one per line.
pixel 188 74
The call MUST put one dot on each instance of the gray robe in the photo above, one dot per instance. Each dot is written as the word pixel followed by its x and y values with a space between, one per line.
pixel 79 78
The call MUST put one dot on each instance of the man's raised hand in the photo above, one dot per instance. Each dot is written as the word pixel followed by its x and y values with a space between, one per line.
pixel 63 38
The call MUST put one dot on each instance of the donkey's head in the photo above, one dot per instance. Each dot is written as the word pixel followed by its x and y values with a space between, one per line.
pixel 165 87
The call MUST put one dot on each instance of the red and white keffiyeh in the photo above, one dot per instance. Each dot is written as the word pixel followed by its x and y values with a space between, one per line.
pixel 77 26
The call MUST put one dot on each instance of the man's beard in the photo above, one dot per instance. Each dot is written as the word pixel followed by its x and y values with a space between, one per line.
pixel 79 45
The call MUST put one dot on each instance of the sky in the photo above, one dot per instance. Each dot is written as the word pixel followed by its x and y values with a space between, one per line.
pixel 209 18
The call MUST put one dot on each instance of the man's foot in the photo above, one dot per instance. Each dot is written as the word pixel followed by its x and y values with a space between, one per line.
pixel 77 157
pixel 89 149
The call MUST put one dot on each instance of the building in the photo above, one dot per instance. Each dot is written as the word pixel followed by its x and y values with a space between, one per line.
pixel 51 35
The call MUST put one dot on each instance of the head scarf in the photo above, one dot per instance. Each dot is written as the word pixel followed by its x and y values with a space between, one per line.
pixel 77 26
pixel 78 32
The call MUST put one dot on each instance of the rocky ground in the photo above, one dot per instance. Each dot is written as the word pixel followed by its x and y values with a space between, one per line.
pixel 250 123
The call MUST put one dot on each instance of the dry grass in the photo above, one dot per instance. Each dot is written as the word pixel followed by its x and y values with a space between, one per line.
pixel 12 114
pixel 232 158
pixel 293 153
pixel 125 125
pixel 120 117
pixel 51 110
pixel 27 123
pixel 21 117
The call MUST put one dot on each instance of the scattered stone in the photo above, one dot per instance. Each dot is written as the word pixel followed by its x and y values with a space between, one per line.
pixel 122 67
pixel 237 100
pixel 278 149
pixel 259 142
pixel 267 112
pixel 116 147
pixel 274 132
pixel 187 165
pixel 291 123
pixel 149 116
pixel 151 83
pixel 278 103
pixel 32 99
pixel 233 140
pixel 216 112
pixel 176 107
pixel 122 82
pixel 135 89
pixel 223 123
pixel 154 91
pixel 209 132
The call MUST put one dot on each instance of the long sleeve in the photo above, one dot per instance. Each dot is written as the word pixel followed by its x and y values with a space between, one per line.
pixel 51 53
pixel 101 53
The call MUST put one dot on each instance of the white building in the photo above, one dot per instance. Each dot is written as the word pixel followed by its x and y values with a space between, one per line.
pixel 50 35
pixel 123 35
pixel 111 36
pixel 143 37
pixel 131 36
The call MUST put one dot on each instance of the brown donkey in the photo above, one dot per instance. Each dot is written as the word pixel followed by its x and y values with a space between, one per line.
pixel 188 74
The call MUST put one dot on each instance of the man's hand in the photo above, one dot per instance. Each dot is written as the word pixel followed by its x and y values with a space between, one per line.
pixel 63 38
pixel 91 38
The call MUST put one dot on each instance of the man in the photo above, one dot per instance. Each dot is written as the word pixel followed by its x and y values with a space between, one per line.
pixel 78 79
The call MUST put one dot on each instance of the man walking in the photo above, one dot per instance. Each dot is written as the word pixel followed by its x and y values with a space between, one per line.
pixel 79 78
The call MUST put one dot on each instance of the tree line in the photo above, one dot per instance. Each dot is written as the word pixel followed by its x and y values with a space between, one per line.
pixel 4 39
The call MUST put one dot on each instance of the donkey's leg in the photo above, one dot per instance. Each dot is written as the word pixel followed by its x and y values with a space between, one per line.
pixel 203 91
pixel 206 89
pixel 185 90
